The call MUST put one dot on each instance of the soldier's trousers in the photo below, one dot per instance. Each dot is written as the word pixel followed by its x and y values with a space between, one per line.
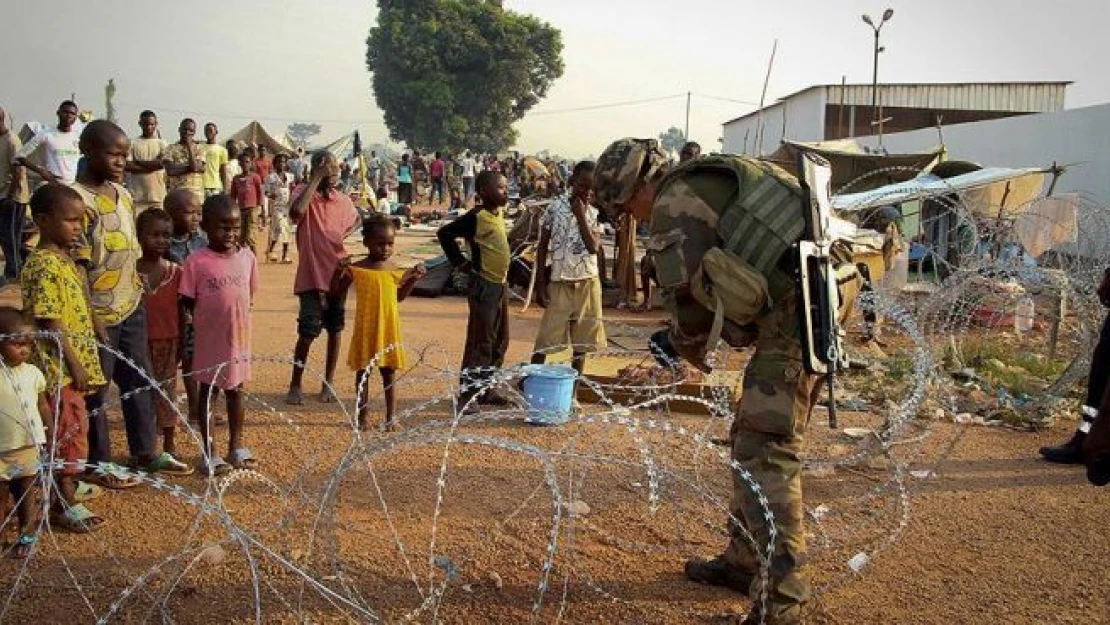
pixel 767 442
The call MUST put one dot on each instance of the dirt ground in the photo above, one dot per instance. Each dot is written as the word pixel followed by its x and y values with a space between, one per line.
pixel 990 534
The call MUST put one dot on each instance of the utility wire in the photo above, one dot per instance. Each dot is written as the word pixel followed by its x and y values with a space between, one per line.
pixel 593 107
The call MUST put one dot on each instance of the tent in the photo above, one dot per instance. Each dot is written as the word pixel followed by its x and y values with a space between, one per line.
pixel 854 169
pixel 254 134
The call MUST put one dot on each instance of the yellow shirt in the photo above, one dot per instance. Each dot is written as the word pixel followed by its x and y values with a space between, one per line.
pixel 377 320
pixel 215 156
pixel 493 243
pixel 52 289
pixel 111 248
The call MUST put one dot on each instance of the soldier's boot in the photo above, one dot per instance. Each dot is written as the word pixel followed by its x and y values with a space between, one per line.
pixel 718 572
pixel 1070 452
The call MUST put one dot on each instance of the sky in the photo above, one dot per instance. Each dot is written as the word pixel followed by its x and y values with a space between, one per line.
pixel 285 61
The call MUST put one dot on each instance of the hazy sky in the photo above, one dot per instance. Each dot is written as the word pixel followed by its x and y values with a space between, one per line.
pixel 281 61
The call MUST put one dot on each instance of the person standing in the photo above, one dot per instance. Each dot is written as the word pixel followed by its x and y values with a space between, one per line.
pixel 247 191
pixel 323 217
pixel 468 173
pixel 183 161
pixel 439 186
pixel 375 166
pixel 569 288
pixel 215 158
pixel 690 151
pixel 148 175
pixel 297 166
pixel 404 181
pixel 60 148
pixel 14 196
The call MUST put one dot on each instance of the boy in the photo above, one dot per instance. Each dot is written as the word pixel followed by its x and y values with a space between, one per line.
pixel 183 161
pixel 569 287
pixel 22 404
pixel 323 217
pixel 246 190
pixel 60 151
pixel 184 209
pixel 54 295
pixel 109 251
pixel 487 328
pixel 14 196
pixel 216 180
pixel 148 176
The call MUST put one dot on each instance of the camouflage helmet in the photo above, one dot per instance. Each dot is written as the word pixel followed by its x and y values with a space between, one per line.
pixel 620 169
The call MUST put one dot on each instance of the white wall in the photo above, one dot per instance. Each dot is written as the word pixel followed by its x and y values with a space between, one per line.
pixel 805 121
pixel 1080 136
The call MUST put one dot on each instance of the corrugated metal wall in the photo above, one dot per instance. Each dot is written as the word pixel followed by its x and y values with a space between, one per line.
pixel 1015 97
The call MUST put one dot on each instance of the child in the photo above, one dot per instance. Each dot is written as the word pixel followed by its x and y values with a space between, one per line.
pixel 246 190
pixel 22 404
pixel 54 296
pixel 404 181
pixel 217 286
pixel 570 290
pixel 378 289
pixel 184 209
pixel 278 188
pixel 161 279
pixel 487 328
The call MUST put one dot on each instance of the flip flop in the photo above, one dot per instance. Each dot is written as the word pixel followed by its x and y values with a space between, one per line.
pixel 215 467
pixel 327 395
pixel 242 458
pixel 80 520
pixel 23 547
pixel 86 491
pixel 166 464
pixel 294 397
pixel 111 476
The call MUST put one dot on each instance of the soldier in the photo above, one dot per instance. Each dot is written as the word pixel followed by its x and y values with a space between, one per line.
pixel 766 434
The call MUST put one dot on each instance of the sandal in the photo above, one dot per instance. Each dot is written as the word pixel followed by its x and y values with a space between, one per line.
pixel 86 491
pixel 166 464
pixel 294 397
pixel 23 547
pixel 111 476
pixel 242 458
pixel 80 520
pixel 327 395
pixel 214 467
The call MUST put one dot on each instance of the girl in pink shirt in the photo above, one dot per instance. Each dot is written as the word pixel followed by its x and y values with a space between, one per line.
pixel 217 284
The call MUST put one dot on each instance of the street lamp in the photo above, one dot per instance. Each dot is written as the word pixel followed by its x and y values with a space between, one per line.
pixel 887 14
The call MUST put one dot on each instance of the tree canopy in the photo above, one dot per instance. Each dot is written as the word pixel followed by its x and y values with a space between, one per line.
pixel 301 132
pixel 672 140
pixel 457 74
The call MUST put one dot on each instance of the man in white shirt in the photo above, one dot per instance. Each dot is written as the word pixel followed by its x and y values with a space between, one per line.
pixel 375 166
pixel 568 286
pixel 468 167
pixel 60 148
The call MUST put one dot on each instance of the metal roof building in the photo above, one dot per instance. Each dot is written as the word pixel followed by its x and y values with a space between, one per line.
pixel 826 112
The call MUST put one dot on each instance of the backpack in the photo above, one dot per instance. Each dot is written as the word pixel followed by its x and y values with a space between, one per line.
pixel 721 227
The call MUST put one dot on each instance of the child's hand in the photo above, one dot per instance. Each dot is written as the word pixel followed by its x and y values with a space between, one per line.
pixel 100 330
pixel 323 300
pixel 80 378
pixel 417 272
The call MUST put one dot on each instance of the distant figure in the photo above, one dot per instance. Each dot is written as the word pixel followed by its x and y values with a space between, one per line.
pixel 297 166
pixel 689 152
pixel 375 166
pixel 404 181
pixel 263 165
pixel 469 168
pixel 14 196
pixel 439 183
pixel 246 190
pixel 183 161
pixel 148 175
pixel 232 168
pixel 215 157
pixel 379 287
pixel 61 152
pixel 278 188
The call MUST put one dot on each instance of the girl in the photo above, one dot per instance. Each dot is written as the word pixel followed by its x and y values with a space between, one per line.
pixel 378 289
pixel 404 181
pixel 277 189
pixel 217 286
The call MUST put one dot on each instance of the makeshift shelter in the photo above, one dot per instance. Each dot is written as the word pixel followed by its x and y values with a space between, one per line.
pixel 854 169
pixel 254 134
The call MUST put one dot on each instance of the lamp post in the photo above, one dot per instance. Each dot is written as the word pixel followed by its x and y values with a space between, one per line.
pixel 887 14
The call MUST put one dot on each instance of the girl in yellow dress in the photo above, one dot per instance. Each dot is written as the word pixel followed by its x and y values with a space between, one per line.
pixel 377 332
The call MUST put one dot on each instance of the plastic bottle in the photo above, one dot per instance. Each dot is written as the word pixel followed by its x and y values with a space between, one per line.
pixel 1024 313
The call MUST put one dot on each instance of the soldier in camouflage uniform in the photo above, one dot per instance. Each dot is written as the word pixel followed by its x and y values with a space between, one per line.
pixel 779 394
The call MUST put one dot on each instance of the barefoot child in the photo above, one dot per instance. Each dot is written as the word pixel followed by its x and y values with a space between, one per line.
pixel 246 190
pixel 217 286
pixel 54 296
pixel 277 189
pixel 487 328
pixel 377 335
pixel 23 403
pixel 161 279
pixel 184 208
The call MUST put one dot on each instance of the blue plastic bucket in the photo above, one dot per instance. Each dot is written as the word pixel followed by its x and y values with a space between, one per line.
pixel 549 391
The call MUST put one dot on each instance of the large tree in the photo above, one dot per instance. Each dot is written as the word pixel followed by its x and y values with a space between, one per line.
pixel 301 132
pixel 672 140
pixel 457 74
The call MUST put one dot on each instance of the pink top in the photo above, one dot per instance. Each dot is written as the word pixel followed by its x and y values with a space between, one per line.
pixel 437 168
pixel 247 190
pixel 162 319
pixel 222 286
pixel 320 234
